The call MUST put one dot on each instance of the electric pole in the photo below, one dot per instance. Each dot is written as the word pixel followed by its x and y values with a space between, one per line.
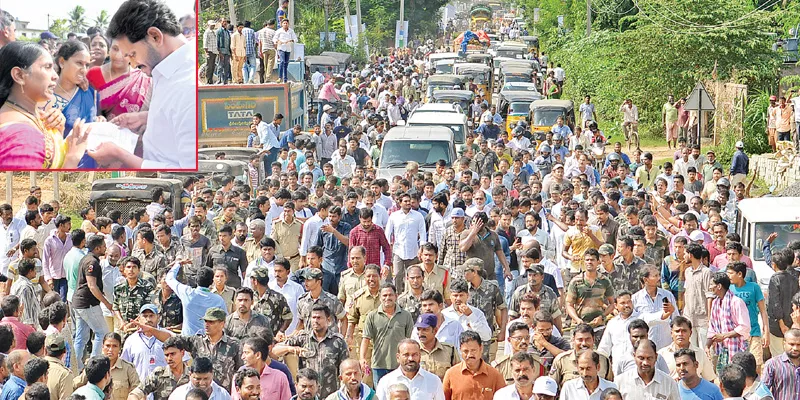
pixel 588 17
pixel 291 14
pixel 347 27
pixel 402 23
pixel 232 11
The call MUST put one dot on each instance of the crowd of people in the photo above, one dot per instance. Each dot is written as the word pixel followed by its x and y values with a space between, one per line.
pixel 53 91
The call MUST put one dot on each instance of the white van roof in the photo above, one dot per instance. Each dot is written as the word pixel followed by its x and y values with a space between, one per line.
pixel 770 209
pixel 436 133
pixel 448 118
pixel 441 107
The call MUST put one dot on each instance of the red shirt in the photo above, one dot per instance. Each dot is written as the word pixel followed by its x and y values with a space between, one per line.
pixel 21 331
pixel 373 241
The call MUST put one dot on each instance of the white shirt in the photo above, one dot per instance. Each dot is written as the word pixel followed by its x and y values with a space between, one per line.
pixel 285 36
pixel 10 236
pixel 111 277
pixel 317 79
pixel 310 233
pixel 145 353
pixel 437 228
pixel 406 232
pixel 449 332
pixel 385 201
pixel 291 291
pixel 629 114
pixel 329 144
pixel 559 73
pixel 393 112
pixel 651 310
pixel 343 167
pixel 171 136
pixel 217 392
pixel 574 389
pixel 424 385
pixel 616 341
pixel 380 216
pixel 259 262
pixel 662 387
pixel 474 322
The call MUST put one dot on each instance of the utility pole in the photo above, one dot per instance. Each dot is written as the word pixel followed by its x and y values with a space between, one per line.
pixel 588 17
pixel 232 12
pixel 291 14
pixel 402 23
pixel 358 18
pixel 347 28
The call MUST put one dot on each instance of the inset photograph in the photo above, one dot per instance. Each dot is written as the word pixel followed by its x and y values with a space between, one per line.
pixel 91 85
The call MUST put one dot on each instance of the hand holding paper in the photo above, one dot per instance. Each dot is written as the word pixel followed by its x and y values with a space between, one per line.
pixel 103 132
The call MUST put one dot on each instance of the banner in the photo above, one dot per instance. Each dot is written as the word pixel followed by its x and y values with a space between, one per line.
pixel 400 35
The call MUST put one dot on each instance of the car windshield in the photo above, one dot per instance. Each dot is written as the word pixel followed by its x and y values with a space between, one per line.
pixel 478 79
pixel 509 53
pixel 526 86
pixel 458 130
pixel 546 116
pixel 426 153
pixel 516 78
pixel 787 232
pixel 519 107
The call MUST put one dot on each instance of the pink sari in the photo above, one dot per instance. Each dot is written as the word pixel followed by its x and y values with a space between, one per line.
pixel 126 94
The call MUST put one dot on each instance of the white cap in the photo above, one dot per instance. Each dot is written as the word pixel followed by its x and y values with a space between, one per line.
pixel 326 107
pixel 545 385
pixel 739 144
pixel 696 236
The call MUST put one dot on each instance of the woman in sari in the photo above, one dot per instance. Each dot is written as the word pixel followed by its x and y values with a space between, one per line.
pixel 120 88
pixel 98 45
pixel 30 138
pixel 71 98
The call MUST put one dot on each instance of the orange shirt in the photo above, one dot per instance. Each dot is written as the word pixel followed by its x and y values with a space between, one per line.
pixel 461 384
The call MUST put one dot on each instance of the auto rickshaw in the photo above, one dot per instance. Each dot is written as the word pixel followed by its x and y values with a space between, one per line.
pixel 461 97
pixel 517 74
pixel 322 63
pixel 443 82
pixel 515 106
pixel 537 73
pixel 436 57
pixel 342 58
pixel 532 42
pixel 505 50
pixel 231 153
pixel 544 113
pixel 480 58
pixel 481 75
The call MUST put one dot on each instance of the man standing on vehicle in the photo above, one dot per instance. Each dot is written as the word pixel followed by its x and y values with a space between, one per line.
pixel 587 111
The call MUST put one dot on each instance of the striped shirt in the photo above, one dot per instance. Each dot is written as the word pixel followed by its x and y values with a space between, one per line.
pixel 249 41
pixel 23 288
pixel 782 378
pixel 265 37
pixel 210 41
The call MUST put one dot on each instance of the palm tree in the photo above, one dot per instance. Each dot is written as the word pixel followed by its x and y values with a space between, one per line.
pixel 101 22
pixel 77 19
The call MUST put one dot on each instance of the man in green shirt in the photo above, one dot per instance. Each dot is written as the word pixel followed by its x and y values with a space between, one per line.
pixel 385 327
pixel 669 116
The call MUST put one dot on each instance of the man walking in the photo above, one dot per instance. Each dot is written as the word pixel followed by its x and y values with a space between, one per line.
pixel 266 46
pixel 740 165
pixel 406 232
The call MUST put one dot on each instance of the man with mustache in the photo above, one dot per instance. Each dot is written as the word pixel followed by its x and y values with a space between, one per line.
pixel 615 342
pixel 523 368
pixel 520 338
pixel 646 379
pixel 565 365
pixel 437 357
pixel 637 331
pixel 472 378
pixel 692 385
pixel 590 386
pixel 247 385
pixel 421 383
pixel 307 386
pixel 681 329
pixel 350 376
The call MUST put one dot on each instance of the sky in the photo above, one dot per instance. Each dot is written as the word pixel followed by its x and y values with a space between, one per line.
pixel 36 11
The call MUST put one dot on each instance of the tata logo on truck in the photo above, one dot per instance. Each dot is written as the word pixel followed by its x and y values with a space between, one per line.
pixel 131 186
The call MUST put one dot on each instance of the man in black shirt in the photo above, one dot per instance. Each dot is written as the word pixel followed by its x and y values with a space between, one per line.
pixel 228 256
pixel 87 298
pixel 359 154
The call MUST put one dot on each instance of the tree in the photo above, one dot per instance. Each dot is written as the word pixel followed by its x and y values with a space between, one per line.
pixel 77 19
pixel 102 20
pixel 59 28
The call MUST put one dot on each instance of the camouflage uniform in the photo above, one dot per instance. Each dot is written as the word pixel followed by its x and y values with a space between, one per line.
pixel 305 303
pixel 440 359
pixel 407 301
pixel 273 305
pixel 626 277
pixel 174 250
pixel 171 310
pixel 547 297
pixel 225 355
pixel 487 298
pixel 348 284
pixel 219 221
pixel 503 365
pixel 160 383
pixel 323 356
pixel 128 300
pixel 654 253
pixel 239 329
pixel 154 263
pixel 589 300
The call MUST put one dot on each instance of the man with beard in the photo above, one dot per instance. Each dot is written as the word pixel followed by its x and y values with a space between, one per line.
pixel 307 385
pixel 548 299
pixel 201 377
pixel 590 386
pixel 520 338
pixel 637 331
pixel 240 324
pixel 523 373
pixel 692 386
pixel 437 357
pixel 274 383
pixel 421 383
pixel 149 32
pixel 656 305
pixel 615 342
pixel 779 372
pixel 386 326
pixel 681 329
pixel 411 300
pixel 436 218
pixel 142 349
pixel 472 378
pixel 247 386
pixel 470 317
pixel 447 330
pixel 565 365
pixel 352 387
pixel 646 379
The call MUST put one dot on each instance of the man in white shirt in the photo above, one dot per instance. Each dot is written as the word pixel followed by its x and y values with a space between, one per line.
pixel 646 380
pixel 202 373
pixel 421 384
pixel 630 119
pixel 312 227
pixel 615 343
pixel 471 318
pixel 344 165
pixel 317 79
pixel 284 38
pixel 393 111
pixel 406 232
pixel 448 330
pixel 590 386
pixel 10 236
pixel 291 290
pixel 170 126
pixel 523 386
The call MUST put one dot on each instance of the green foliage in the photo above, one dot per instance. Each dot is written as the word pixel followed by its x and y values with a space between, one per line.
pixel 77 19
pixel 102 20
pixel 755 124
pixel 59 28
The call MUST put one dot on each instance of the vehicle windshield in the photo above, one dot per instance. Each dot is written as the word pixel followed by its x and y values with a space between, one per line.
pixel 546 116
pixel 427 153
pixel 526 86
pixel 509 53
pixel 521 107
pixel 445 67
pixel 458 130
pixel 464 105
pixel 478 79
pixel 787 232
pixel 516 78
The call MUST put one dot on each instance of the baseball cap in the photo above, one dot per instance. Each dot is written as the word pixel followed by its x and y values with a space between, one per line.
pixel 457 213
pixel 558 166
pixel 739 144
pixel 545 385
pixel 696 236
pixel 55 342
pixel 148 307
pixel 607 250
pixel 535 269
pixel 724 182
pixel 214 314
pixel 47 35
pixel 326 107
pixel 426 321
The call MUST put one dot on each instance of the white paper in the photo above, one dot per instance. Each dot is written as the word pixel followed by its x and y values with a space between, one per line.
pixel 107 132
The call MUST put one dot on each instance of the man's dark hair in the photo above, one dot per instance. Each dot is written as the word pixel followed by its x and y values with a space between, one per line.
pixel 721 278
pixel 459 286
pixel 243 374
pixel 583 328
pixel 196 394
pixel 747 361
pixel 35 342
pixel 10 305
pixel 6 336
pixel 517 326
pixel 732 379
pixel 202 365
pixel 37 391
pixel 308 374
pixel 97 368
pixel 94 242
pixel 135 17
pixel 686 352
pixel 323 308
pixel 258 345
pixel 34 369
pixel 469 336
pixel 175 342
pixel 25 266
pixel 205 277
pixel 245 290
pixel 432 295
pixel 638 324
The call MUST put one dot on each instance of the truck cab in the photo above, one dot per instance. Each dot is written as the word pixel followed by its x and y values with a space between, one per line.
pixel 424 145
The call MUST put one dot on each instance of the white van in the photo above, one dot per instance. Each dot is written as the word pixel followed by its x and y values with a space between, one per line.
pixel 456 122
pixel 424 145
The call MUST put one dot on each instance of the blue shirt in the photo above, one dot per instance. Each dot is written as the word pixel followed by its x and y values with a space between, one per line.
pixel 704 391
pixel 740 164
pixel 334 256
pixel 13 388
pixel 751 294
pixel 195 303
pixel 249 41
pixel 287 137
pixel 252 139
pixel 488 132
pixel 564 130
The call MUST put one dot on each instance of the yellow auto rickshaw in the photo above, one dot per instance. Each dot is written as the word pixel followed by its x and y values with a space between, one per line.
pixel 544 114
pixel 515 106
pixel 481 76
